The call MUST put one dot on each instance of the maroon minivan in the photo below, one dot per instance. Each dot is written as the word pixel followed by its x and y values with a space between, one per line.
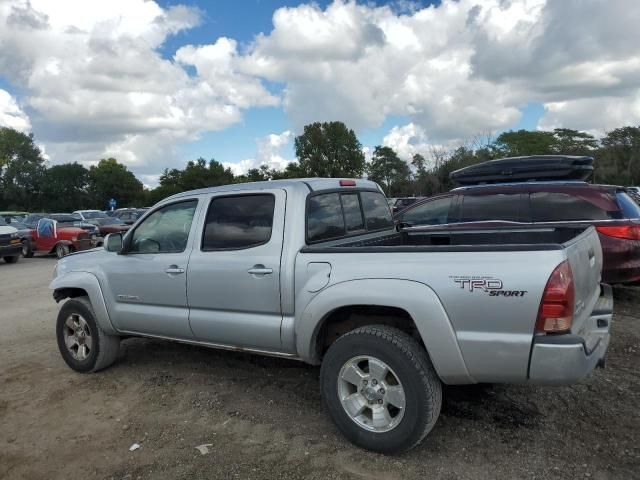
pixel 614 214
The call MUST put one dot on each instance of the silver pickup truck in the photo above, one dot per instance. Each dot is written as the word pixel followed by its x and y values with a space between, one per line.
pixel 315 270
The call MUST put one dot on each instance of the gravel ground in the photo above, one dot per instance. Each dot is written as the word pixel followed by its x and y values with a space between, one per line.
pixel 263 418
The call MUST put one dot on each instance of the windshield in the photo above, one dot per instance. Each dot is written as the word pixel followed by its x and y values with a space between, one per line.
pixel 65 217
pixel 92 215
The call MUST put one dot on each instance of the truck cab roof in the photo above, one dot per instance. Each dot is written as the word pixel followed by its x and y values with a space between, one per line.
pixel 309 184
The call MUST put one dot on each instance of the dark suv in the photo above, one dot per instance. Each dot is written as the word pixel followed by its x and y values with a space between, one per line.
pixel 614 214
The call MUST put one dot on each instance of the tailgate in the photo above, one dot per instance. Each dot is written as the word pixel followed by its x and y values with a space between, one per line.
pixel 585 258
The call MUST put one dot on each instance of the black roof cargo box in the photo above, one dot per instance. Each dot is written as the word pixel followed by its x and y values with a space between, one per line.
pixel 524 169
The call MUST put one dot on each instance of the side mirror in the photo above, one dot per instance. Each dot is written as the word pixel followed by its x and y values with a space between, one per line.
pixel 113 242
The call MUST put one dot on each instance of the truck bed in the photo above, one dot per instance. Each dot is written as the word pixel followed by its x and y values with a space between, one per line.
pixel 452 240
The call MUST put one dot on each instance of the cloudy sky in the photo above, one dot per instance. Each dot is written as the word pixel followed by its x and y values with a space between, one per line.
pixel 157 83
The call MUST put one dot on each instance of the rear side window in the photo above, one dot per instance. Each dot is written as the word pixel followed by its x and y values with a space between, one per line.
pixel 435 212
pixel 324 217
pixel 352 212
pixel 558 207
pixel 334 215
pixel 376 211
pixel 239 221
pixel 505 207
pixel 630 209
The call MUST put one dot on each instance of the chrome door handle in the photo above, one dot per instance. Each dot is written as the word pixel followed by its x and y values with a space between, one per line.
pixel 174 270
pixel 260 270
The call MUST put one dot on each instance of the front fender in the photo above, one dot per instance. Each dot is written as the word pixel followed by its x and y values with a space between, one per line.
pixel 89 283
pixel 416 298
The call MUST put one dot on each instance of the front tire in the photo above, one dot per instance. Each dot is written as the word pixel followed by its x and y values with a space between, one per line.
pixel 82 343
pixel 13 259
pixel 380 388
pixel 62 250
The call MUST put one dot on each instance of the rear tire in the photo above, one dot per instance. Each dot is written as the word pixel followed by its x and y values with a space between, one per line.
pixel 82 343
pixel 13 259
pixel 26 249
pixel 62 250
pixel 389 414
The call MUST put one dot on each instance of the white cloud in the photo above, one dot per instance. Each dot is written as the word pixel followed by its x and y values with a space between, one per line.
pixel 407 140
pixel 269 153
pixel 98 86
pixel 11 115
pixel 95 84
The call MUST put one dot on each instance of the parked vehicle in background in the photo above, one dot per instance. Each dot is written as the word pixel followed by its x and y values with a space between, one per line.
pixel 402 203
pixel 129 215
pixel 544 204
pixel 10 247
pixel 65 220
pixel 111 225
pixel 16 215
pixel 91 216
pixel 54 237
pixel 25 234
pixel 314 270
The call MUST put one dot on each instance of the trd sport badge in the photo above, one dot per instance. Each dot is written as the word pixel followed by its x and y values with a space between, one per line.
pixel 489 285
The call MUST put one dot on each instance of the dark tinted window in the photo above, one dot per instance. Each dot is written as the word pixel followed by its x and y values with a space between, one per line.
pixel 324 217
pixel 500 206
pixel 352 212
pixel 558 207
pixel 376 210
pixel 435 212
pixel 630 209
pixel 241 221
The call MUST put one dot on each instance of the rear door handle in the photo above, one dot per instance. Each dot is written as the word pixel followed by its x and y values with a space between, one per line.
pixel 173 270
pixel 260 270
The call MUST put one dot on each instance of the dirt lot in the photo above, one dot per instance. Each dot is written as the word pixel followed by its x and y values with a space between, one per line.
pixel 263 416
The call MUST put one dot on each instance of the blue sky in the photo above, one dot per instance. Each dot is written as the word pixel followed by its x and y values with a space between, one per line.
pixel 157 83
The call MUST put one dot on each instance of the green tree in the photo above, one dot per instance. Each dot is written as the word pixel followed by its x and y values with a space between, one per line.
pixel 573 142
pixel 110 179
pixel 387 169
pixel 329 149
pixel 618 159
pixel 21 170
pixel 525 142
pixel 196 174
pixel 64 188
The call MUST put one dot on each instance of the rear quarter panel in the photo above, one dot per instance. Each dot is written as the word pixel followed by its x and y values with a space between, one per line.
pixel 493 331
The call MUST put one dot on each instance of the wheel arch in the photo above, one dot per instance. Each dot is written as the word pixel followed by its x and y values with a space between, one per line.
pixel 406 304
pixel 75 284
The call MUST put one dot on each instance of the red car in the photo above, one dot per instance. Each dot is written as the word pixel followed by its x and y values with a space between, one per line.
pixel 111 225
pixel 52 238
pixel 551 203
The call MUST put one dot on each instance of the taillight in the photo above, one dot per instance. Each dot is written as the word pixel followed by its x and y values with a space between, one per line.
pixel 556 308
pixel 628 232
pixel 347 183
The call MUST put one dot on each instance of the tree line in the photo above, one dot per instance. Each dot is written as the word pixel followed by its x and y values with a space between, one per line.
pixel 328 149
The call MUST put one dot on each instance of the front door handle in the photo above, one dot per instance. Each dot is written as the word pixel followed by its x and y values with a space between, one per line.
pixel 174 270
pixel 260 270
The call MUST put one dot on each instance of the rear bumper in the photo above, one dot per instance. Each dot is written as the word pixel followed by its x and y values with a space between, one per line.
pixel 565 359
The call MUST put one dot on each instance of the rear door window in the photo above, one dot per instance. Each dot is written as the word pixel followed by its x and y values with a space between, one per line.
pixel 435 212
pixel 506 207
pixel 559 207
pixel 239 221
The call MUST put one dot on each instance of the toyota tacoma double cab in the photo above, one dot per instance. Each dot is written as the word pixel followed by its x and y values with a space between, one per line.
pixel 315 270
